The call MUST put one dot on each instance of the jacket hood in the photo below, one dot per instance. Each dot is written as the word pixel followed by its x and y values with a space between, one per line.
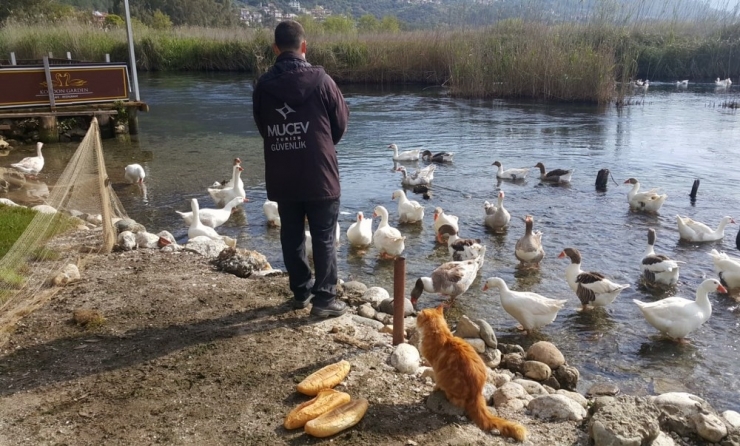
pixel 292 80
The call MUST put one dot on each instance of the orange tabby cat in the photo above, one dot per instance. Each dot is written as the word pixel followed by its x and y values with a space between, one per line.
pixel 460 372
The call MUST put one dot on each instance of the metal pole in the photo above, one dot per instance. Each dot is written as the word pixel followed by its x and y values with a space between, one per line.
pixel 49 85
pixel 131 55
pixel 12 58
pixel 399 300
pixel 51 56
pixel 69 55
pixel 107 58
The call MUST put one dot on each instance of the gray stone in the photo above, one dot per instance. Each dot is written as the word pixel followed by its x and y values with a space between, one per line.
pixel 127 224
pixel 623 421
pixel 512 362
pixel 688 414
pixel 511 348
pixel 556 407
pixel 547 353
pixel 171 248
pixel 732 418
pixel 532 387
pixel 205 246
pixel 126 241
pixel 366 310
pixel 477 344
pixel 240 262
pixel 575 396
pixel 405 358
pixel 732 439
pixel 499 379
pixel 538 371
pixel 488 390
pixel 602 389
pixel 486 333
pixel 466 328
pixel 375 295
pixel 387 306
pixel 511 395
pixel 354 288
pixel 552 382
pixel 385 318
pixel 663 440
pixel 567 377
pixel 147 240
pixel 95 219
pixel 369 322
pixel 491 357
pixel 437 402
pixel 709 426
pixel 68 274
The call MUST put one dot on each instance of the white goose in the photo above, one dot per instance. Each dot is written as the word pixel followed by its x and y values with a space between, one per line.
pixel 446 221
pixel 529 248
pixel 498 220
pixel 409 211
pixel 723 83
pixel 270 208
pixel 657 269
pixel 676 317
pixel 197 228
pixel 510 174
pixel 308 242
pixel 360 233
pixel 684 83
pixel 223 196
pixel 591 288
pixel 230 182
pixel 531 310
pixel 648 201
pixel 408 155
pixel 421 177
pixel 212 217
pixel 439 157
pixel 728 269
pixel 134 173
pixel 695 231
pixel 31 165
pixel 387 240
pixel 554 176
pixel 450 279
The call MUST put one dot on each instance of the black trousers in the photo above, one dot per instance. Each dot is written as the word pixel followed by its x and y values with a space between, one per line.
pixel 322 221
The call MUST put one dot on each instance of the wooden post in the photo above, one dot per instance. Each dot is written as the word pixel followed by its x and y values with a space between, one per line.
pixel 69 55
pixel 51 56
pixel 601 179
pixel 694 188
pixel 399 299
pixel 48 132
pixel 133 121
pixel 12 58
pixel 107 58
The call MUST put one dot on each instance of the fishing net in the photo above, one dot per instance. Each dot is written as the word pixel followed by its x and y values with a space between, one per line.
pixel 38 263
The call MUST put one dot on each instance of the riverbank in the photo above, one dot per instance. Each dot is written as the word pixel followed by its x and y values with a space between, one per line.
pixel 180 353
pixel 563 62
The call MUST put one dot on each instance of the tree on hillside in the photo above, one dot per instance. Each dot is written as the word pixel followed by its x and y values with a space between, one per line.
pixel 48 10
pixel 338 24
pixel 212 13
pixel 368 23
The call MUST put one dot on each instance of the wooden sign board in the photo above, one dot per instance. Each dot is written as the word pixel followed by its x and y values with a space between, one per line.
pixel 25 86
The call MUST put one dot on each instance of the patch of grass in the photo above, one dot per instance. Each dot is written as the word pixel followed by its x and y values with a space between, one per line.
pixel 14 220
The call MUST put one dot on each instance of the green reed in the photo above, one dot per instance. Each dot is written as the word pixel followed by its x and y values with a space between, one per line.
pixel 513 58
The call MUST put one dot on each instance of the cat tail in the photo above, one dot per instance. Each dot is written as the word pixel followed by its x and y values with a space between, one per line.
pixel 484 419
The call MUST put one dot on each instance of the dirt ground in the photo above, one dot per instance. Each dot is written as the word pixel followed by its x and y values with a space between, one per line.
pixel 189 355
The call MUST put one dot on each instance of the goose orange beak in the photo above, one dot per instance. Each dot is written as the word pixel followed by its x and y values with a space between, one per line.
pixel 721 289
pixel 561 255
pixel 485 287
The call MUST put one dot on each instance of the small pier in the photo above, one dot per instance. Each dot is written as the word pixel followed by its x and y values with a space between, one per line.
pixel 44 99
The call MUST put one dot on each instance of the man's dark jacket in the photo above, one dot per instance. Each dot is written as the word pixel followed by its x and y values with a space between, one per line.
pixel 301 115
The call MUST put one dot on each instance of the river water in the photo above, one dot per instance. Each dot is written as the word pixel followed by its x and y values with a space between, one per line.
pixel 199 123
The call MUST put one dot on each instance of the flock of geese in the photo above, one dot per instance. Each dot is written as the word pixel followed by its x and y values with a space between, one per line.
pixel 675 317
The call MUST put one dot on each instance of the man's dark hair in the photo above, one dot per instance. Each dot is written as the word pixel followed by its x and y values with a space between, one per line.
pixel 289 35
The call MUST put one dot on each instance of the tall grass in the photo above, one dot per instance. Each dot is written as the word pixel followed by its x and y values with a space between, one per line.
pixel 512 58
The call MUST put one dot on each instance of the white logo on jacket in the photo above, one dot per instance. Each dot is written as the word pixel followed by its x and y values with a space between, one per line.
pixel 285 110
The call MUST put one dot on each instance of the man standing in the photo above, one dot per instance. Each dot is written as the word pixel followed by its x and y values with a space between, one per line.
pixel 301 115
